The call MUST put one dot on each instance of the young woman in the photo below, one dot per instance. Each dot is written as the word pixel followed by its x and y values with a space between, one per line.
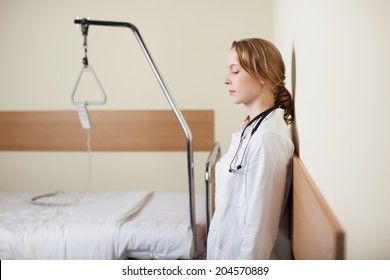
pixel 252 178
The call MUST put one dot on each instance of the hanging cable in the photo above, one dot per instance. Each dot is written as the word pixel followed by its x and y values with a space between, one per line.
pixel 85 123
pixel 66 200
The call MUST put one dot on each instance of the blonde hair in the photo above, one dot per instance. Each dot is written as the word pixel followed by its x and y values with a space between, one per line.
pixel 262 60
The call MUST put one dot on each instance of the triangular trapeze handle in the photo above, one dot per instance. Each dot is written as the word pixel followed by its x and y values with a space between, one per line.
pixel 88 68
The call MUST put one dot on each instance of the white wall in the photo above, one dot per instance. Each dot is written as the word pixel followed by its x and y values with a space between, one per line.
pixel 40 59
pixel 342 98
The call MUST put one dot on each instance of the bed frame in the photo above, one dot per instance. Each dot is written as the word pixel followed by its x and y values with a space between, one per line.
pixel 151 130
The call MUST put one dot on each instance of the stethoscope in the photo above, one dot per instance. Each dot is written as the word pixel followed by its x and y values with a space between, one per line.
pixel 260 117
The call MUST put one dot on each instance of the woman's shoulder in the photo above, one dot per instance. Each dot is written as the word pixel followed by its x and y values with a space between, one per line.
pixel 275 123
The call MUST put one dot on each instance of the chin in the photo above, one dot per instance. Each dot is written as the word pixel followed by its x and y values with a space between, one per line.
pixel 236 101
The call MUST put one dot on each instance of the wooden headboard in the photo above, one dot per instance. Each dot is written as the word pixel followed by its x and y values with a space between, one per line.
pixel 151 130
pixel 316 233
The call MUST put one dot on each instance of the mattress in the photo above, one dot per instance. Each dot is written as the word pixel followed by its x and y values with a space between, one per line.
pixel 114 225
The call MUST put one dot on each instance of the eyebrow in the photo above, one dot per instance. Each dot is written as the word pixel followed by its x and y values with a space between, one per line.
pixel 231 65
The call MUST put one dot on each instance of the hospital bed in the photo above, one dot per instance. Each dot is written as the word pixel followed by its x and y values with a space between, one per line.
pixel 114 225
pixel 139 223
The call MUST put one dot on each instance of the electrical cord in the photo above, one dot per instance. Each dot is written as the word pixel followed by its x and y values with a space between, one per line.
pixel 37 199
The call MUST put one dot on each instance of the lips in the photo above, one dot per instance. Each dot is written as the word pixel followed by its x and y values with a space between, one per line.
pixel 232 92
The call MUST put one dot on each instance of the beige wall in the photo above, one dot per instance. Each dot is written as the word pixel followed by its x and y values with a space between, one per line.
pixel 40 59
pixel 342 96
pixel 342 69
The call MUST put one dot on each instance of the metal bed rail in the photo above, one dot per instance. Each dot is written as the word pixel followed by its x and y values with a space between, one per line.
pixel 172 103
pixel 211 162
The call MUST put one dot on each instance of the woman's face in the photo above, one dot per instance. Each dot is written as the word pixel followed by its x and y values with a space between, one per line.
pixel 242 87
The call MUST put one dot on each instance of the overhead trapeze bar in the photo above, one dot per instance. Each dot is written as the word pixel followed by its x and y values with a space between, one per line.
pixel 172 103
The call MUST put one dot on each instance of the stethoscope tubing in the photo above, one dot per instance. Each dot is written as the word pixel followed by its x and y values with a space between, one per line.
pixel 259 118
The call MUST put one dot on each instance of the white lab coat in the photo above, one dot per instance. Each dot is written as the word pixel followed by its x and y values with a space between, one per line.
pixel 249 221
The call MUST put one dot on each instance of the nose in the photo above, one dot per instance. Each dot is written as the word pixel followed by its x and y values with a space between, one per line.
pixel 227 81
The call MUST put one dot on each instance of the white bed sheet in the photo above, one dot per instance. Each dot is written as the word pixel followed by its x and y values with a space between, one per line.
pixel 162 230
pixel 115 225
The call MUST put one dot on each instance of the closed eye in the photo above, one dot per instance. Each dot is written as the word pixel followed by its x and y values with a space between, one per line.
pixel 234 69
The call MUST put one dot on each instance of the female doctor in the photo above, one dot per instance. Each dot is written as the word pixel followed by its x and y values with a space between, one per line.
pixel 252 178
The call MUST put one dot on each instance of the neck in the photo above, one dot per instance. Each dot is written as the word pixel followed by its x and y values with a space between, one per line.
pixel 258 108
pixel 263 101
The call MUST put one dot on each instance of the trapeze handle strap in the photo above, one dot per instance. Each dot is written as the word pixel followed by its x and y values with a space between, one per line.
pixel 88 69
pixel 84 31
